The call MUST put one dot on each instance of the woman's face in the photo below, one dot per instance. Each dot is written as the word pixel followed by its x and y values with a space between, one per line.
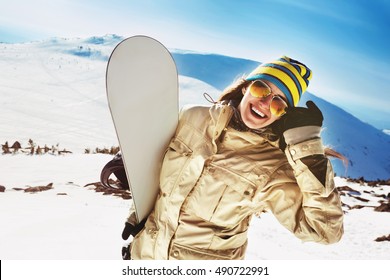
pixel 255 112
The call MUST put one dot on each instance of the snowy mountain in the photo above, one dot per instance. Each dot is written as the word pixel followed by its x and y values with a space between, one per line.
pixel 53 91
pixel 216 70
pixel 367 148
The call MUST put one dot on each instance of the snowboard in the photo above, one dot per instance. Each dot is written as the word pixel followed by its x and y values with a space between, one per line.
pixel 142 92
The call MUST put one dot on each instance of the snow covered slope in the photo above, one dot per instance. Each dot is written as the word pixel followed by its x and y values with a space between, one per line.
pixel 53 92
pixel 367 148
pixel 216 70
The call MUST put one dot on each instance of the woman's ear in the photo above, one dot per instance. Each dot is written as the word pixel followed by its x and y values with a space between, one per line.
pixel 243 89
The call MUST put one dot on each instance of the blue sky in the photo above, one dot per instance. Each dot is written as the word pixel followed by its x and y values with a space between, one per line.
pixel 345 43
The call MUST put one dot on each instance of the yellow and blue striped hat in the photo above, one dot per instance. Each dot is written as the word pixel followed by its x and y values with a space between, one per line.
pixel 290 76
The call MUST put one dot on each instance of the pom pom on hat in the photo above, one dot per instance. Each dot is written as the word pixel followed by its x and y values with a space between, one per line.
pixel 290 76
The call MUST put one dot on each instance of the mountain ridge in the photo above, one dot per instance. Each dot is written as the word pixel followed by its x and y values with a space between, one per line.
pixel 69 75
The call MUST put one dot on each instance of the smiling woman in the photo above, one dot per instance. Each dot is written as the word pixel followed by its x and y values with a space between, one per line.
pixel 238 158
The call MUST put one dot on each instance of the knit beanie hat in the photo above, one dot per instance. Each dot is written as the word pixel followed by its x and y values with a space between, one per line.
pixel 290 76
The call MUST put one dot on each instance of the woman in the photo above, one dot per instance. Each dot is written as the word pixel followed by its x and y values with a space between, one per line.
pixel 252 151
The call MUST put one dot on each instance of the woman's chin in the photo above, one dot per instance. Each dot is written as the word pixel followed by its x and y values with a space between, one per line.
pixel 255 123
pixel 253 120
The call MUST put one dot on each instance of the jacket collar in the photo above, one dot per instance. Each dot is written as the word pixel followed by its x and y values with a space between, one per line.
pixel 220 114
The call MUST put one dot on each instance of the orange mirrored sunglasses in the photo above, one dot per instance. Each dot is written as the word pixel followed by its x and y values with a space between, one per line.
pixel 260 89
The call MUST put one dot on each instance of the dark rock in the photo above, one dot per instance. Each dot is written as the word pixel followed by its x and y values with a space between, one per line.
pixel 98 187
pixel 383 238
pixel 39 188
pixel 358 207
pixel 384 207
pixel 359 198
pixel 346 188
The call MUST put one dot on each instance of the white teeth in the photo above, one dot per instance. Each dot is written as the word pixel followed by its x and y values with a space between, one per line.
pixel 258 112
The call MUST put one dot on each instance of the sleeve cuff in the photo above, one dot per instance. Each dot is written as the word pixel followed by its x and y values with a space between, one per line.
pixel 299 134
pixel 304 149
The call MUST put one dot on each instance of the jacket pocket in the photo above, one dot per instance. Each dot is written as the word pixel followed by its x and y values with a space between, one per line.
pixel 229 241
pixel 235 204
pixel 180 252
pixel 222 197
pixel 176 159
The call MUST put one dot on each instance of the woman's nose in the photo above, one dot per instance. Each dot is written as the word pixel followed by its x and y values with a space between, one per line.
pixel 265 101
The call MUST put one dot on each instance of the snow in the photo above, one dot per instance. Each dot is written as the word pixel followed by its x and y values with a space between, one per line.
pixel 53 92
pixel 268 240
pixel 66 222
pixel 52 96
pixel 86 225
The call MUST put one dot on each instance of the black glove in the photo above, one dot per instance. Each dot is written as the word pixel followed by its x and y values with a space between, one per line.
pixel 127 231
pixel 132 230
pixel 126 255
pixel 298 117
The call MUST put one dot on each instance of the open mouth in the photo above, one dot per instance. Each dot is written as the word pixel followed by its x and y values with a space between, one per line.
pixel 257 113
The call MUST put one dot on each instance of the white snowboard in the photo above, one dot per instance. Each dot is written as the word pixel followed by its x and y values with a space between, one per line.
pixel 142 91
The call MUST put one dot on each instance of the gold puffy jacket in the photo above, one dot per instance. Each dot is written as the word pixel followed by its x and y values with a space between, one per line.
pixel 214 178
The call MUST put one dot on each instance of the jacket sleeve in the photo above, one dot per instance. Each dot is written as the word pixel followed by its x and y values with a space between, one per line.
pixel 302 194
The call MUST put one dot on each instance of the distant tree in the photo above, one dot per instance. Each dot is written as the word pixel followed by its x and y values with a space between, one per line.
pixel 5 148
pixel 38 150
pixel 31 146
pixel 16 146
pixel 46 149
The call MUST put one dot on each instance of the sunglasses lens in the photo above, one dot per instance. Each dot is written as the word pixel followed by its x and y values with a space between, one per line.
pixel 278 106
pixel 259 89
